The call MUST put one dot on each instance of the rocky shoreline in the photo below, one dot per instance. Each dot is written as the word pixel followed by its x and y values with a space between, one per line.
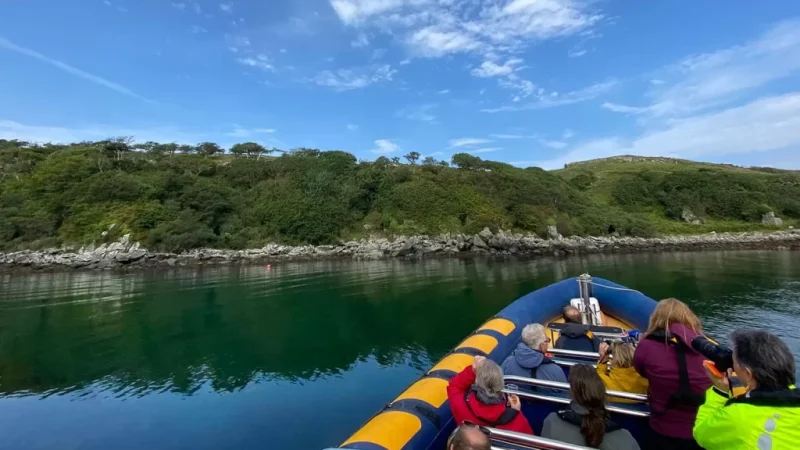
pixel 124 254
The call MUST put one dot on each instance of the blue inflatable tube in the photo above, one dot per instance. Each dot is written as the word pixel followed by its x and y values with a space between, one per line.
pixel 420 418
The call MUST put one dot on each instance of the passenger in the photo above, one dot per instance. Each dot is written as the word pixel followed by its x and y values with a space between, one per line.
pixel 768 415
pixel 586 422
pixel 468 437
pixel 476 395
pixel 529 358
pixel 576 336
pixel 675 373
pixel 622 376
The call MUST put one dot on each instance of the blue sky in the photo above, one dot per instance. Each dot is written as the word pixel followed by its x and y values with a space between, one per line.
pixel 530 82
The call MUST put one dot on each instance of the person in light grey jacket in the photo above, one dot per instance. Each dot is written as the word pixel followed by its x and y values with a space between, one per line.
pixel 529 359
pixel 586 421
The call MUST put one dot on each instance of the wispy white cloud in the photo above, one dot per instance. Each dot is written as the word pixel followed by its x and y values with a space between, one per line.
pixel 553 144
pixel 771 123
pixel 467 142
pixel 438 28
pixel 178 6
pixel 510 136
pixel 443 91
pixel 360 41
pixel 623 108
pixel 377 54
pixel 385 146
pixel 568 134
pixel 405 62
pixel 352 127
pixel 577 53
pixel 422 113
pixel 241 132
pixel 491 69
pixel 198 29
pixel 543 99
pixel 261 61
pixel 719 78
pixel 357 78
pixel 226 7
pixel 8 45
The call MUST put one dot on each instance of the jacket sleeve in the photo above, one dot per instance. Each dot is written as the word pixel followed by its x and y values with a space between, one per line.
pixel 715 423
pixel 640 360
pixel 459 385
pixel 521 425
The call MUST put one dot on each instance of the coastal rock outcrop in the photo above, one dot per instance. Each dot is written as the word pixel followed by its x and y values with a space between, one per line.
pixel 123 253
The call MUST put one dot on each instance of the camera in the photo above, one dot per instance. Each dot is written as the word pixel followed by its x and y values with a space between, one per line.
pixel 721 356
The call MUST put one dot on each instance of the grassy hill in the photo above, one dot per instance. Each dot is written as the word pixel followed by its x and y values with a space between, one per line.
pixel 174 198
pixel 724 196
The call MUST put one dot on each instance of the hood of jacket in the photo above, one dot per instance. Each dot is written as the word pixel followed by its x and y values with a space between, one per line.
pixel 484 411
pixel 527 357
pixel 574 330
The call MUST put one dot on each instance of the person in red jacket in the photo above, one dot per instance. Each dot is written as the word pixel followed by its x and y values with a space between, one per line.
pixel 476 395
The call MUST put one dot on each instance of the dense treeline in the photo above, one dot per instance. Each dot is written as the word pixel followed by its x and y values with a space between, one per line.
pixel 175 197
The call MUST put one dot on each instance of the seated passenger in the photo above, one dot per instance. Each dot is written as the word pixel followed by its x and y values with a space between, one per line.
pixel 529 359
pixel 674 371
pixel 476 395
pixel 586 421
pixel 576 336
pixel 768 415
pixel 468 437
pixel 621 376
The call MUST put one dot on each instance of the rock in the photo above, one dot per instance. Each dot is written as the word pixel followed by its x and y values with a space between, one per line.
pixel 769 219
pixel 688 216
pixel 485 234
pixel 478 242
pixel 405 250
pixel 552 232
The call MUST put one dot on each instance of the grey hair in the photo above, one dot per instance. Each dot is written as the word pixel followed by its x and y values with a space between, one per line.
pixel 489 378
pixel 533 335
pixel 768 357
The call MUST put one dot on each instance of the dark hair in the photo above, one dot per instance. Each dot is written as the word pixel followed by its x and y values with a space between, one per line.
pixel 571 314
pixel 463 439
pixel 766 356
pixel 589 391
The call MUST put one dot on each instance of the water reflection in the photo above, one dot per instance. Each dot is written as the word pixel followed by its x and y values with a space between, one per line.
pixel 329 333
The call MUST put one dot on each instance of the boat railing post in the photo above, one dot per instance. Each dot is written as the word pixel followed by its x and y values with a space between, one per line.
pixel 527 440
pixel 565 387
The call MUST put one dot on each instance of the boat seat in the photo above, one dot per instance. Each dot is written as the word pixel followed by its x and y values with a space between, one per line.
pixel 597 330
pixel 524 381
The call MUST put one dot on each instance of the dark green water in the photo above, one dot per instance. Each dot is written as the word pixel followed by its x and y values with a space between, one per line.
pixel 299 356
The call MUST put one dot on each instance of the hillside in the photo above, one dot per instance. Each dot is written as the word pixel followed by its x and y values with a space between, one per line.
pixel 724 197
pixel 174 198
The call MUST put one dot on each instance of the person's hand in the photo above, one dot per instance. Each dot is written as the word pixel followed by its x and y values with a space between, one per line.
pixel 477 362
pixel 721 383
pixel 603 350
pixel 514 403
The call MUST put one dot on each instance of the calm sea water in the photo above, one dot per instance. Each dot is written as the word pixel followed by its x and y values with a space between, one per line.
pixel 299 356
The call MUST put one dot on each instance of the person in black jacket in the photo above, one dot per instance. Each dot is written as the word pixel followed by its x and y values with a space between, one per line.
pixel 576 336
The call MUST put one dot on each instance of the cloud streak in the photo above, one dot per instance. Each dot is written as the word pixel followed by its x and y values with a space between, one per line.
pixel 8 45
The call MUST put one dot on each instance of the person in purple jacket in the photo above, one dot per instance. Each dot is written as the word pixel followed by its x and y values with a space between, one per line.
pixel 665 357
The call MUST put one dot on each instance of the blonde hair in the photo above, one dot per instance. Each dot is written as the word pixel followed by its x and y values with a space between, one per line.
pixel 623 355
pixel 672 310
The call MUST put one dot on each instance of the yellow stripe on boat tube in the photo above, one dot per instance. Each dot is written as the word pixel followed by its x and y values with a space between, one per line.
pixel 391 430
pixel 502 326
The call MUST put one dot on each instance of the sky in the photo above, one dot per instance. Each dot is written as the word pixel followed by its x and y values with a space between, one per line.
pixel 528 82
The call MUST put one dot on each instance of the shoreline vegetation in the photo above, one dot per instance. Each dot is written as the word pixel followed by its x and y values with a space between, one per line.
pixel 115 198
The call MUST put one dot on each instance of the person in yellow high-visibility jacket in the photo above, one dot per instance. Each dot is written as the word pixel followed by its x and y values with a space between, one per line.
pixel 767 416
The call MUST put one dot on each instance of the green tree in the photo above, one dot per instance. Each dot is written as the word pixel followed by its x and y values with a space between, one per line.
pixel 209 149
pixel 412 157
pixel 467 161
pixel 429 161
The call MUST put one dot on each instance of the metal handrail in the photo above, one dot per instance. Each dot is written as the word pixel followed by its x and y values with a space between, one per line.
pixel 573 353
pixel 565 386
pixel 570 363
pixel 566 401
pixel 512 437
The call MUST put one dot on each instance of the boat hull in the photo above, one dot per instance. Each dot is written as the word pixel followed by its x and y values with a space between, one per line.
pixel 420 417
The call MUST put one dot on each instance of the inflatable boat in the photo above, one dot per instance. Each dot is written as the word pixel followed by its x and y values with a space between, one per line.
pixel 420 418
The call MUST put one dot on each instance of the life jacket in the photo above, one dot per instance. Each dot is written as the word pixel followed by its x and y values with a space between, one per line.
pixel 684 398
pixel 779 398
pixel 505 418
pixel 535 370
